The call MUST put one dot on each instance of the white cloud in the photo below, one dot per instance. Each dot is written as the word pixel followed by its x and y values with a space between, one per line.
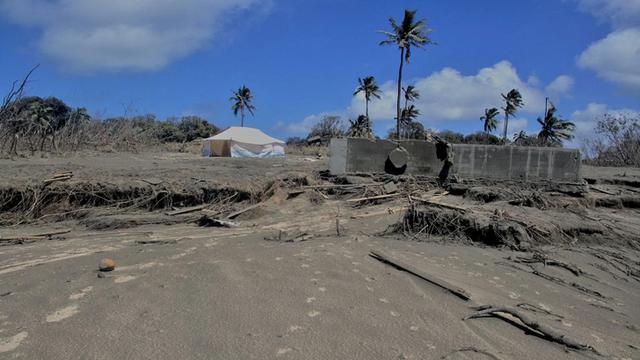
pixel 303 127
pixel 88 35
pixel 616 57
pixel 620 13
pixel 448 95
pixel 562 85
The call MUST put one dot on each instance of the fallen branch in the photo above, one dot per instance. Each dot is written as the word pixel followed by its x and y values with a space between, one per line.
pixel 575 270
pixel 572 285
pixel 543 331
pixel 16 240
pixel 461 293
pixel 36 236
pixel 603 191
pixel 534 308
pixel 188 210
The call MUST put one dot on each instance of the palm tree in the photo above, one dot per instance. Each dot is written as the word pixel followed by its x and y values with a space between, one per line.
pixel 369 87
pixel 410 95
pixel 242 101
pixel 520 138
pixel 513 101
pixel 406 35
pixel 489 119
pixel 408 118
pixel 554 129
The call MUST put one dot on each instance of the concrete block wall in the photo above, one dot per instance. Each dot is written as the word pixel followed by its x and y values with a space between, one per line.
pixel 350 155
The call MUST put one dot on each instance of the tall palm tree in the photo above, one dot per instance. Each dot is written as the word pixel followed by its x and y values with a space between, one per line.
pixel 242 101
pixel 554 129
pixel 489 120
pixel 513 101
pixel 410 95
pixel 370 89
pixel 409 34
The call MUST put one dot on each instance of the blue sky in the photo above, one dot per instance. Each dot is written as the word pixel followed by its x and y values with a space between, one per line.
pixel 302 59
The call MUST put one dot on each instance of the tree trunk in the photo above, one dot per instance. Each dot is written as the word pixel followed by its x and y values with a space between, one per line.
pixel 366 107
pixel 241 117
pixel 399 93
pixel 506 126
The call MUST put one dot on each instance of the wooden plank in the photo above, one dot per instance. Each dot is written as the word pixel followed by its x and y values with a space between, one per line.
pixel 459 292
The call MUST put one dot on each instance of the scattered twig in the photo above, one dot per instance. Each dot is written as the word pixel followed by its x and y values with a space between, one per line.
pixel 437 203
pixel 461 293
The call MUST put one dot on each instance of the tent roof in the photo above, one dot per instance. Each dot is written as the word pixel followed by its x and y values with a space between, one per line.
pixel 246 135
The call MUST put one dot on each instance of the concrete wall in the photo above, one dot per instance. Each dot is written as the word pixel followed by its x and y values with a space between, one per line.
pixel 470 161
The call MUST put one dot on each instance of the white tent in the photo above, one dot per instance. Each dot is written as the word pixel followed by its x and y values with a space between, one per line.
pixel 242 142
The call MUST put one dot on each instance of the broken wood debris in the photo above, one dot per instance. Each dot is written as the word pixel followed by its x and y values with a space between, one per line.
pixel 431 201
pixel 156 242
pixel 387 211
pixel 603 190
pixel 378 197
pixel 544 331
pixel 188 210
pixel 235 214
pixel 287 238
pixel 330 186
pixel 20 239
pixel 206 221
pixel 64 176
pixel 461 293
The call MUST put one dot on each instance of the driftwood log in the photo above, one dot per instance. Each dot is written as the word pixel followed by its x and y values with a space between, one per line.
pixel 544 331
